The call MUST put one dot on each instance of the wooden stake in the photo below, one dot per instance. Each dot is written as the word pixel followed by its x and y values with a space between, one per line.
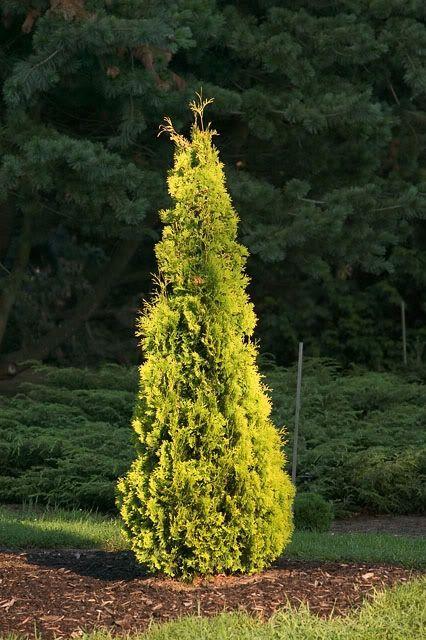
pixel 404 334
pixel 297 415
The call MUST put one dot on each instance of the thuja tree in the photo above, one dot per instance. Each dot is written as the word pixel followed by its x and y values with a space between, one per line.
pixel 207 492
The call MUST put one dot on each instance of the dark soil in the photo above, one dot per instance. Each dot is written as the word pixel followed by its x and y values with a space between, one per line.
pixel 395 525
pixel 63 593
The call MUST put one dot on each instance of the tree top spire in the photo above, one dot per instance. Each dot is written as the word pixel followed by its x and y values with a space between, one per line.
pixel 197 107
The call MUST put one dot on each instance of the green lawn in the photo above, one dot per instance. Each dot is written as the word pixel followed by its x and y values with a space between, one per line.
pixel 359 547
pixel 26 527
pixel 57 528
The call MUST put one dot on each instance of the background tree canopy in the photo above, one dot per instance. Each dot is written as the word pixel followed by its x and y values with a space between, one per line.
pixel 322 113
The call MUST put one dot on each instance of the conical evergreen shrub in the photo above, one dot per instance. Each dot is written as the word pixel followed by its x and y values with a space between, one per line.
pixel 207 492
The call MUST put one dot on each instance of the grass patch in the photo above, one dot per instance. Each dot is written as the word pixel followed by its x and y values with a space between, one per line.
pixel 380 548
pixel 27 527
pixel 56 528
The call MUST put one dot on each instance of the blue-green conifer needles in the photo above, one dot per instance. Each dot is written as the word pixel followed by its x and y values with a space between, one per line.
pixel 207 492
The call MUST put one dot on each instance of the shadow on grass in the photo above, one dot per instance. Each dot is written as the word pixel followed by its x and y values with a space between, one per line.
pixel 103 565
pixel 70 550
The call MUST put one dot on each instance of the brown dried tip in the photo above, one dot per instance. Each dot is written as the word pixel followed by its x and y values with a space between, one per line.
pixel 197 106
pixel 69 9
pixel 112 72
pixel 173 134
pixel 31 17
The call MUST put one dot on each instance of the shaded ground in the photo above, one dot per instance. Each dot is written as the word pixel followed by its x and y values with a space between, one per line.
pixel 62 593
pixel 395 525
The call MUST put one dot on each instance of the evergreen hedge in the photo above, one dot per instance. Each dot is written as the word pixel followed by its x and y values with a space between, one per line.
pixel 312 512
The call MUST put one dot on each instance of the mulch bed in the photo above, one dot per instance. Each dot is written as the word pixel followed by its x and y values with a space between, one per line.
pixel 395 525
pixel 63 593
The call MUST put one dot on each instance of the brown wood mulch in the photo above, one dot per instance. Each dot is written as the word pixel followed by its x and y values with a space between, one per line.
pixel 63 593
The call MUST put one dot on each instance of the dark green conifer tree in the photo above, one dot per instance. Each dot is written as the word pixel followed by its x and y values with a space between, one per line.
pixel 207 492
pixel 322 113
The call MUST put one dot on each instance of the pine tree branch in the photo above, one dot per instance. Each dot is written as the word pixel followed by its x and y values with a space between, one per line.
pixel 81 312
pixel 7 215
pixel 393 206
pixel 42 62
pixel 4 268
pixel 393 92
pixel 419 116
pixel 12 283
pixel 312 201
